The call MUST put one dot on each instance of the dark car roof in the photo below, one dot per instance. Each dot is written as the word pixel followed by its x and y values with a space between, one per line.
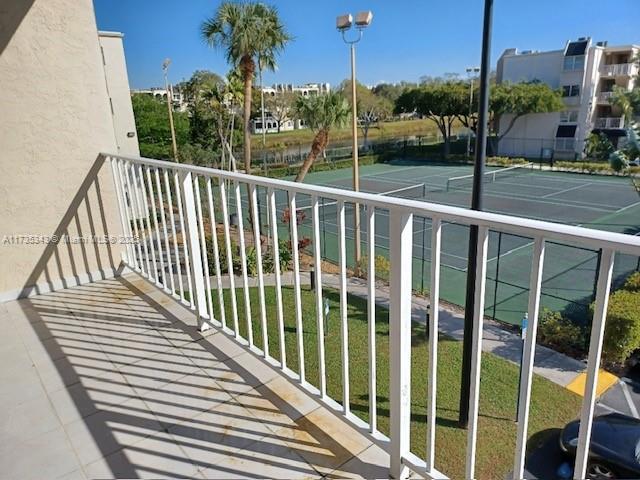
pixel 617 433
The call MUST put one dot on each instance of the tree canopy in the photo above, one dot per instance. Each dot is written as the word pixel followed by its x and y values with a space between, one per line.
pixel 440 102
pixel 321 113
pixel 152 125
pixel 371 108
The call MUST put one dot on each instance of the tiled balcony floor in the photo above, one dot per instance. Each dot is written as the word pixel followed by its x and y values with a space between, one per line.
pixel 112 379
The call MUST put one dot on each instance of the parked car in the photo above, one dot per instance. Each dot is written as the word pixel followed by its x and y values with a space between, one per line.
pixel 615 446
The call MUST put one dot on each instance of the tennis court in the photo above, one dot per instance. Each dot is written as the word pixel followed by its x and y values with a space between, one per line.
pixel 607 203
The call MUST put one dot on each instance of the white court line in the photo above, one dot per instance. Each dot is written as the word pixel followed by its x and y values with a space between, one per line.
pixel 627 207
pixel 627 396
pixel 566 190
pixel 575 180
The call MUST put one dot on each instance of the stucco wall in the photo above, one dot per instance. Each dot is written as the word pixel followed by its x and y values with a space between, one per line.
pixel 543 66
pixel 115 70
pixel 55 120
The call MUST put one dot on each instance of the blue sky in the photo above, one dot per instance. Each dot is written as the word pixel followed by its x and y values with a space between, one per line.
pixel 407 39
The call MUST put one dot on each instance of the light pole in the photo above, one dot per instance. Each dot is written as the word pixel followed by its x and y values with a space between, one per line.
pixel 165 69
pixel 476 204
pixel 344 23
pixel 470 72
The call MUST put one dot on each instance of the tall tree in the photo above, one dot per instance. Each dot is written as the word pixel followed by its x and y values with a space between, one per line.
pixel 514 100
pixel 281 106
pixel 372 109
pixel 321 113
pixel 440 102
pixel 247 32
pixel 152 126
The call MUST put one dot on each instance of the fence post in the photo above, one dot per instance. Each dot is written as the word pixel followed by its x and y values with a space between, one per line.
pixel 191 236
pixel 400 249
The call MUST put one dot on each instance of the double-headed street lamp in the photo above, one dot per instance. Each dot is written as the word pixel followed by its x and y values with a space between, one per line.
pixel 470 72
pixel 344 23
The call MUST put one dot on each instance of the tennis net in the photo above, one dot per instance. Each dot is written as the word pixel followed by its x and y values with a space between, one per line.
pixel 466 181
pixel 416 191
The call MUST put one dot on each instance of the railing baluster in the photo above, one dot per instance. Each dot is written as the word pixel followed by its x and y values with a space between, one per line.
pixel 148 225
pixel 167 250
pixel 216 254
pixel 243 263
pixel 344 329
pixel 317 270
pixel 157 230
pixel 253 194
pixel 144 213
pixel 528 357
pixel 198 295
pixel 185 244
pixel 476 349
pixel 227 241
pixel 134 215
pixel 124 215
pixel 371 315
pixel 276 265
pixel 203 248
pixel 434 314
pixel 293 223
pixel 176 251
pixel 401 252
pixel 593 363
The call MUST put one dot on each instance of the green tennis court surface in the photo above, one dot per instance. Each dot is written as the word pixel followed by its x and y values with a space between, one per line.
pixel 606 203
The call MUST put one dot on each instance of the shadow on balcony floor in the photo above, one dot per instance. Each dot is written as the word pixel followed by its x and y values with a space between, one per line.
pixel 112 379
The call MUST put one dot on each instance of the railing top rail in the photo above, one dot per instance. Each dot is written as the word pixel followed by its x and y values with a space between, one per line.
pixel 623 243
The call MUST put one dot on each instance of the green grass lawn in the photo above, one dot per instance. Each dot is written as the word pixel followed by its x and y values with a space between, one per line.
pixel 391 129
pixel 552 406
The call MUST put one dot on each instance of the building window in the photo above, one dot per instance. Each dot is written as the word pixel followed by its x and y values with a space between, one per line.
pixel 571 90
pixel 574 62
pixel 565 140
pixel 569 116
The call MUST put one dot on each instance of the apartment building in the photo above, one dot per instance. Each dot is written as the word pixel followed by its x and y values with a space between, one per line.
pixel 160 93
pixel 305 90
pixel 586 73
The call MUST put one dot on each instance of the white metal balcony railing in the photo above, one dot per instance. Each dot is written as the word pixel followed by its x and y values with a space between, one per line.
pixel 605 97
pixel 619 69
pixel 155 184
pixel 609 122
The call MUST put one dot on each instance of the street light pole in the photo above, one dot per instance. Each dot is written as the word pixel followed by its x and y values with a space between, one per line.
pixel 470 71
pixel 476 204
pixel 344 23
pixel 356 167
pixel 165 69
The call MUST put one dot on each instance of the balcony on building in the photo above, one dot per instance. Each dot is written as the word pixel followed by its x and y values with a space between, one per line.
pixel 609 123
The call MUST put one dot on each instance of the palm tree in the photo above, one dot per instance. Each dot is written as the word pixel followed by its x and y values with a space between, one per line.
pixel 321 113
pixel 247 32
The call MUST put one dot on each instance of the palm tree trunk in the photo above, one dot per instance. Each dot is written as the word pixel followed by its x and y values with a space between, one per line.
pixel 319 144
pixel 248 69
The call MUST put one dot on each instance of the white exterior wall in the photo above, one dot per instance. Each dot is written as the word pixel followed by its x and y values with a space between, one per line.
pixel 543 66
pixel 55 120
pixel 115 70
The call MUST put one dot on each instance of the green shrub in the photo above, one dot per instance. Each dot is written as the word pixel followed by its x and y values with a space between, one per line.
pixel 382 266
pixel 560 333
pixel 285 256
pixel 598 146
pixel 632 284
pixel 618 161
pixel 622 330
